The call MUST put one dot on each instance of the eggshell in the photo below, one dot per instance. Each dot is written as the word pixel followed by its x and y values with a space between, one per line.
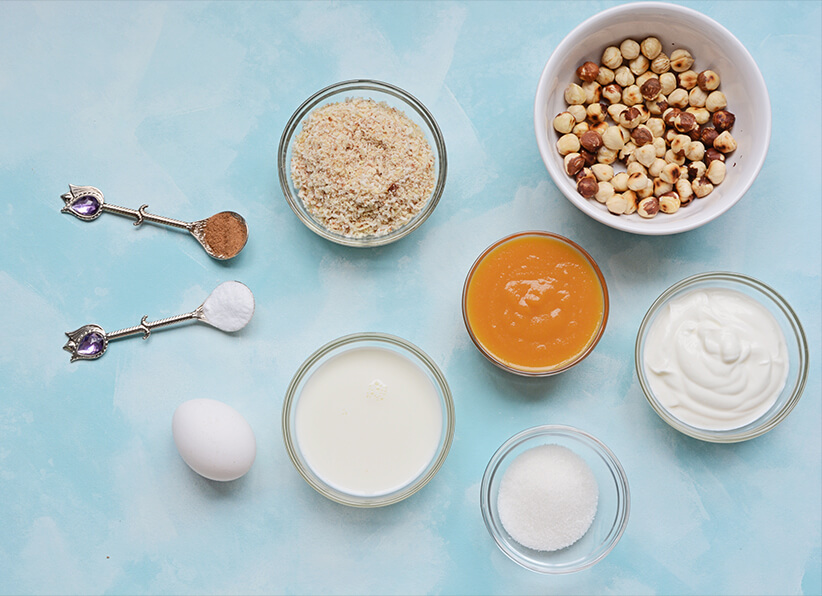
pixel 213 439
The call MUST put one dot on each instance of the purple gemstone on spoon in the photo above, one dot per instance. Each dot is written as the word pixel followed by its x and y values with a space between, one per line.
pixel 87 205
pixel 91 344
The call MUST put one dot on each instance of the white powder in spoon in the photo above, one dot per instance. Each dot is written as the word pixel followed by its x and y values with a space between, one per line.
pixel 229 307
pixel 547 498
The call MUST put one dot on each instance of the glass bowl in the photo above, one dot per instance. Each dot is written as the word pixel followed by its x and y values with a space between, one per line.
pixel 613 507
pixel 789 324
pixel 379 92
pixel 339 346
pixel 536 372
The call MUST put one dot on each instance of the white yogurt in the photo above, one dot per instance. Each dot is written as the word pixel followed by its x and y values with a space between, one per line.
pixel 368 421
pixel 716 359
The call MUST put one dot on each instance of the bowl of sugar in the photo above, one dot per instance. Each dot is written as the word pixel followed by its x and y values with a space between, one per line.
pixel 555 499
pixel 368 420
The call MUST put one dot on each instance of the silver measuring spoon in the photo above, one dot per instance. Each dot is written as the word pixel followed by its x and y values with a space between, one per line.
pixel 229 308
pixel 222 235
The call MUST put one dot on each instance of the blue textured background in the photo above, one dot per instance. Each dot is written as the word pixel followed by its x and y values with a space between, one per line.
pixel 181 106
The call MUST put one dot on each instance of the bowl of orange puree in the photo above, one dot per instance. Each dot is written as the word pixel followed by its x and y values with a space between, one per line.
pixel 535 303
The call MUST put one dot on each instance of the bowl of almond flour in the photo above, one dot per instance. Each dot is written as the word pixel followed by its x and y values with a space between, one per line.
pixel 362 163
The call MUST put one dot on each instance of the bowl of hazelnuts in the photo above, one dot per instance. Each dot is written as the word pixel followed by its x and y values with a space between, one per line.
pixel 652 118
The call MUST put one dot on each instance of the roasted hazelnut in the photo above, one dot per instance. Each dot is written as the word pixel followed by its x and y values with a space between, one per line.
pixel 596 113
pixel 660 146
pixel 707 80
pixel 630 201
pixel 564 123
pixel 644 113
pixel 660 64
pixel 645 155
pixel 645 77
pixel 604 191
pixel 568 143
pixel 578 112
pixel 702 187
pixel 602 172
pixel 573 163
pixel 694 151
pixel 593 91
pixel 697 98
pixel 657 106
pixel 584 173
pixel 629 49
pixel 605 76
pixel 642 135
pixel 681 60
pixel 670 135
pixel 685 122
pixel 648 207
pixel 591 141
pixel 600 127
pixel 612 57
pixel 660 187
pixel 588 71
pixel 606 155
pixel 620 182
pixel 696 169
pixel 648 191
pixel 650 47
pixel 656 126
pixel 650 89
pixel 725 143
pixel 684 190
pixel 679 142
pixel 631 95
pixel 686 80
pixel 616 204
pixel 581 128
pixel 708 135
pixel 702 115
pixel 668 82
pixel 612 138
pixel 716 101
pixel 678 98
pixel 574 94
pixel 637 181
pixel 655 168
pixel 588 157
pixel 671 157
pixel 716 172
pixel 712 154
pixel 636 168
pixel 587 187
pixel 629 118
pixel 669 202
pixel 623 76
pixel 639 65
pixel 615 109
pixel 670 173
pixel 723 120
pixel 612 93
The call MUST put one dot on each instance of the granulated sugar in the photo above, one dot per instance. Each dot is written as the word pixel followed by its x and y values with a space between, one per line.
pixel 362 168
pixel 547 498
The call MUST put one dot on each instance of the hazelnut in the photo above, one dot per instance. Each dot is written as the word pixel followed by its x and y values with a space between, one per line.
pixel 626 154
pixel 716 172
pixel 581 128
pixel 591 141
pixel 660 187
pixel 656 126
pixel 606 155
pixel 615 109
pixel 584 173
pixel 605 76
pixel 723 120
pixel 637 181
pixel 678 98
pixel 636 168
pixel 612 138
pixel 685 122
pixel 668 82
pixel 648 207
pixel 616 204
pixel 564 123
pixel 568 143
pixel 681 60
pixel 623 76
pixel 631 95
pixel 694 133
pixel 697 98
pixel 630 200
pixel 725 143
pixel 671 157
pixel 648 191
pixel 588 71
pixel 573 163
pixel 612 92
pixel 686 80
pixel 670 173
pixel 645 77
pixel 701 114
pixel 612 57
pixel 639 65
pixel 702 187
pixel 642 135
pixel 593 91
pixel 602 172
pixel 650 47
pixel 574 94
pixel 716 101
pixel 588 157
pixel 712 154
pixel 646 155
pixel 587 187
pixel 696 169
pixel 596 113
pixel 629 118
pixel 578 112
pixel 604 192
pixel 620 182
pixel 679 143
pixel 707 80
pixel 660 64
pixel 660 146
pixel 650 89
pixel 644 113
pixel 708 135
pixel 684 190
pixel 657 106
pixel 629 49
pixel 669 202
pixel 600 127
pixel 694 151
pixel 655 168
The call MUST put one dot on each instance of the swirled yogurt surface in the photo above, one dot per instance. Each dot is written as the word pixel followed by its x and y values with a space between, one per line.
pixel 716 359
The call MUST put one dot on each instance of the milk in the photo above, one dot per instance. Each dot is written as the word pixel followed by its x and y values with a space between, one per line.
pixel 368 421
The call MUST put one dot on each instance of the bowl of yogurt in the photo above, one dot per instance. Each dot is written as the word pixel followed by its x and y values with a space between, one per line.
pixel 368 419
pixel 721 357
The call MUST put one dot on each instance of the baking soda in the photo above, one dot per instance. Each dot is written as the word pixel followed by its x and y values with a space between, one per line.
pixel 229 307
pixel 548 498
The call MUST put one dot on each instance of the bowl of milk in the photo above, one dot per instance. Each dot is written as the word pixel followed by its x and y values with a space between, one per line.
pixel 368 419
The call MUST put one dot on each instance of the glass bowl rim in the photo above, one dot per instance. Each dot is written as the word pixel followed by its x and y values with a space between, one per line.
pixel 347 342
pixel 549 430
pixel 763 290
pixel 290 131
pixel 592 343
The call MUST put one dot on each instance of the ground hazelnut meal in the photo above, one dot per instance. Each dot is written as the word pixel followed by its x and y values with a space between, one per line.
pixel 362 168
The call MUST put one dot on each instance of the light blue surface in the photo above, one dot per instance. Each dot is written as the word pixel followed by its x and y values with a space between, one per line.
pixel 181 106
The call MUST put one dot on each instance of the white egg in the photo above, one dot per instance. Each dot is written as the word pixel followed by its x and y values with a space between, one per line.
pixel 213 439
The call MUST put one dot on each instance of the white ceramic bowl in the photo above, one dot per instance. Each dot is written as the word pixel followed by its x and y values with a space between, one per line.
pixel 713 47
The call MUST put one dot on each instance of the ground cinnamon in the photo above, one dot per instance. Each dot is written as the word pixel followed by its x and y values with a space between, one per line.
pixel 225 234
